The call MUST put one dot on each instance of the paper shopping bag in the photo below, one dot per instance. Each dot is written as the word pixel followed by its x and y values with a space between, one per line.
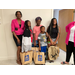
pixel 39 58
pixel 34 49
pixel 26 58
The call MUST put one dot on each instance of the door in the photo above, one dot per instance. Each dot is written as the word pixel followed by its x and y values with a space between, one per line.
pixel 65 17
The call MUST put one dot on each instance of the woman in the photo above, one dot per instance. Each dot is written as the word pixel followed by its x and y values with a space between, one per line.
pixel 17 28
pixel 70 42
pixel 36 31
pixel 54 32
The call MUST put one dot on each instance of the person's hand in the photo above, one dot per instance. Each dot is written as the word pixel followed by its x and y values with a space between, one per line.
pixel 54 43
pixel 34 43
pixel 49 45
pixel 18 41
pixel 51 42
pixel 39 49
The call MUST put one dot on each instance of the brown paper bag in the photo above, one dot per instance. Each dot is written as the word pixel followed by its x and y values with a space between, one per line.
pixel 26 58
pixel 39 58
pixel 34 49
pixel 53 52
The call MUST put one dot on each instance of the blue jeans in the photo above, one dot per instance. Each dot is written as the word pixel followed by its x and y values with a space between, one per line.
pixel 43 49
pixel 36 44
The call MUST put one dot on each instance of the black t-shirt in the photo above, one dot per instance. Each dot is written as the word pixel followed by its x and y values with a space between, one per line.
pixel 26 33
pixel 54 33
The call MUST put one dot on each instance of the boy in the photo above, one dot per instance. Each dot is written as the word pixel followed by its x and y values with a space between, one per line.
pixel 42 38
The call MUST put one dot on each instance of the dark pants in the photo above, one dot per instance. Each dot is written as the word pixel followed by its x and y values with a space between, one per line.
pixel 69 49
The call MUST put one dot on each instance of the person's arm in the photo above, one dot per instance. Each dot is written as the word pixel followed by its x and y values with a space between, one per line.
pixel 18 40
pixel 12 30
pixel 49 38
pixel 49 35
pixel 57 36
pixel 34 36
pixel 39 42
pixel 39 45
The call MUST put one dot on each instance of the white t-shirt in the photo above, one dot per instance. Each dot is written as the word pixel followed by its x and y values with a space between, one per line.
pixel 71 38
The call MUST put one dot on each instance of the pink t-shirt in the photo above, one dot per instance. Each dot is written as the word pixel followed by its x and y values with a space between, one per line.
pixel 36 30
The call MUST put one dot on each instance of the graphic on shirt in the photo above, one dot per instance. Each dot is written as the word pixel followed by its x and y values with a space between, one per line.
pixel 44 38
pixel 39 57
pixel 26 58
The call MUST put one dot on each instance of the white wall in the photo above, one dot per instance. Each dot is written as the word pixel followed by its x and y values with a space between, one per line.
pixel 56 14
pixel 8 48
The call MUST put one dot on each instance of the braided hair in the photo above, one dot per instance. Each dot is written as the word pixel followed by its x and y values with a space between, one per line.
pixel 38 18
pixel 49 30
pixel 26 24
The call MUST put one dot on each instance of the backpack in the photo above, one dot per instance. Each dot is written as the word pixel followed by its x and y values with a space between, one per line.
pixel 53 52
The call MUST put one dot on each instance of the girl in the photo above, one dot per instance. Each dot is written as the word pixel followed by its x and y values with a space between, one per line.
pixel 17 28
pixel 36 31
pixel 27 37
pixel 54 32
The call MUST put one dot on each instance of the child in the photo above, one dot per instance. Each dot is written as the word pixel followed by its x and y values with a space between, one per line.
pixel 36 31
pixel 27 37
pixel 42 38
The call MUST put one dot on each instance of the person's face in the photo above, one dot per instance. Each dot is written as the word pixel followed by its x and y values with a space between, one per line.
pixel 43 29
pixel 29 24
pixel 54 21
pixel 18 15
pixel 38 22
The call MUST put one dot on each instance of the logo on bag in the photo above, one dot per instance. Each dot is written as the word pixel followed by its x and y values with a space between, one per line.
pixel 39 57
pixel 27 58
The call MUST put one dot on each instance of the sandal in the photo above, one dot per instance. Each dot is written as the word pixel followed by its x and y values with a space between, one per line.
pixel 64 63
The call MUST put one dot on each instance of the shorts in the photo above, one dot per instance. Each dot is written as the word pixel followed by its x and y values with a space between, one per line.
pixel 53 39
pixel 43 49
pixel 37 45
pixel 26 44
pixel 20 38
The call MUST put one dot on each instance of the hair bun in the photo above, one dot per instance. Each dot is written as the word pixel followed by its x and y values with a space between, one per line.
pixel 38 18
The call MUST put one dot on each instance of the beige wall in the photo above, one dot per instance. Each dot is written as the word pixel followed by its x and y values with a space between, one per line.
pixel 7 46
